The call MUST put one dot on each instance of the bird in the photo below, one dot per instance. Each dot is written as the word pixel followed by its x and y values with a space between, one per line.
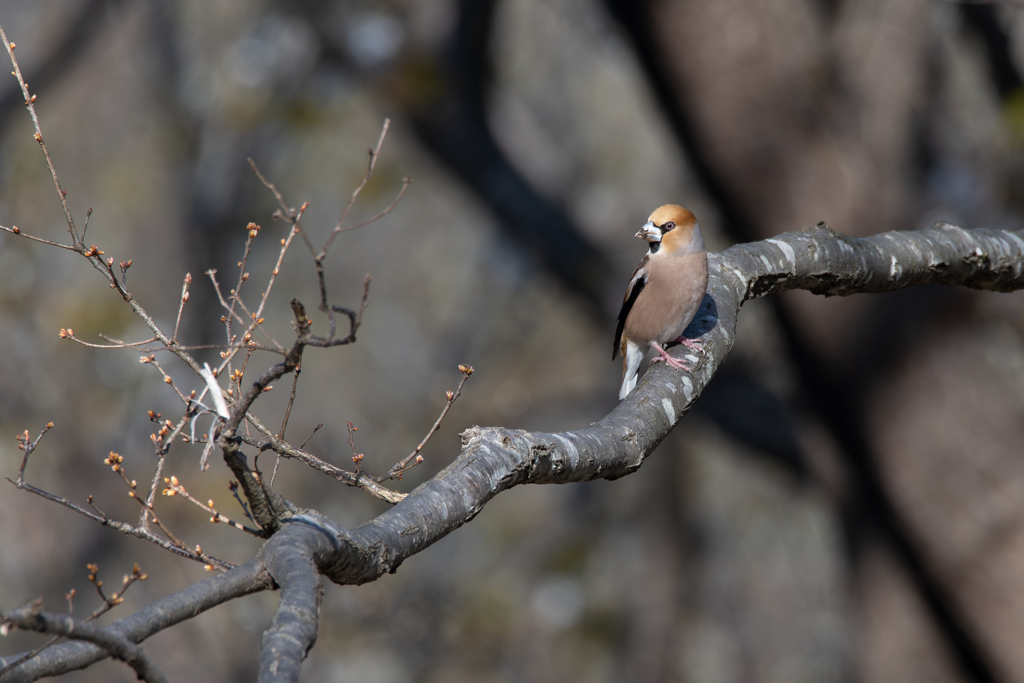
pixel 663 294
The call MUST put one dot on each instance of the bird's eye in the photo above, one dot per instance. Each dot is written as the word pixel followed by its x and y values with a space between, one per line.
pixel 668 226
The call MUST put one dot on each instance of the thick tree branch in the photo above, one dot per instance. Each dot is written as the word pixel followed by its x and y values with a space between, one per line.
pixel 495 459
pixel 32 618
pixel 291 559
pixel 816 259
pixel 192 601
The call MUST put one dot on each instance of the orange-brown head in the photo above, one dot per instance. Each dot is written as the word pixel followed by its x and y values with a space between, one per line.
pixel 671 229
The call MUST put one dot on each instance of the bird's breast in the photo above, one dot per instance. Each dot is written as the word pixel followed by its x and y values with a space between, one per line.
pixel 675 287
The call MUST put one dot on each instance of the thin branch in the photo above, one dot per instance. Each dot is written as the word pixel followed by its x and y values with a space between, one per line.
pixel 311 434
pixel 253 230
pixel 406 182
pixel 162 442
pixel 125 265
pixel 291 401
pixel 85 228
pixel 319 256
pixel 284 421
pixel 357 458
pixel 233 487
pixel 118 596
pixel 92 254
pixel 27 445
pixel 115 461
pixel 285 243
pixel 124 528
pixel 359 480
pixel 30 105
pixel 15 230
pixel 252 324
pixel 181 304
pixel 355 318
pixel 288 213
pixel 414 458
pixel 371 164
pixel 174 488
pixel 150 359
pixel 69 334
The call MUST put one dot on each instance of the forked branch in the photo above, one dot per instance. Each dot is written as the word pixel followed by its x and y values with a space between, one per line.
pixel 31 617
pixel 496 459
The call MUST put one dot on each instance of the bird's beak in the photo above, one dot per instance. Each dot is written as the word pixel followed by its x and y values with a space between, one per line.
pixel 649 232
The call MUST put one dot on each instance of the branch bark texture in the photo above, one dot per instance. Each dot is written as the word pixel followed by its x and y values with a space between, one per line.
pixel 816 259
pixel 495 459
pixel 245 579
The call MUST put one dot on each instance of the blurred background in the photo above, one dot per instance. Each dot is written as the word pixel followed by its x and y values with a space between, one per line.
pixel 843 504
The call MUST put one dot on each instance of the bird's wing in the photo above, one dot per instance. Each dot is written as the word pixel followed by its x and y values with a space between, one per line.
pixel 636 285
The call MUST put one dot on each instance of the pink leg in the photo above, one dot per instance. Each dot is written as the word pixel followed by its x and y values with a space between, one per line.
pixel 669 360
pixel 690 344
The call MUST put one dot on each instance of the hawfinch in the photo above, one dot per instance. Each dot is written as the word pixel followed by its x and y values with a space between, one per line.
pixel 664 293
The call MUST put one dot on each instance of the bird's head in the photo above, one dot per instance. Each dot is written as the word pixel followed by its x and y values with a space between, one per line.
pixel 672 229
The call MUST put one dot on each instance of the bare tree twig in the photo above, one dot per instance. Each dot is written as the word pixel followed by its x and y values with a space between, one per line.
pixel 69 334
pixel 374 154
pixel 287 212
pixel 285 243
pixel 414 458
pixel 30 105
pixel 357 458
pixel 27 445
pixel 174 488
pixel 359 480
pixel 355 318
pixel 406 182
pixel 319 256
pixel 243 275
pixel 125 528
pixel 115 461
pixel 15 230
pixel 162 443
pixel 181 305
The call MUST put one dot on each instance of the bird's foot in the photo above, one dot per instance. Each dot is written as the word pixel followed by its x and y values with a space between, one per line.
pixel 690 344
pixel 669 360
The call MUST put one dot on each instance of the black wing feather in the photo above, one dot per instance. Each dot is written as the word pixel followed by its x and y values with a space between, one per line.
pixel 627 305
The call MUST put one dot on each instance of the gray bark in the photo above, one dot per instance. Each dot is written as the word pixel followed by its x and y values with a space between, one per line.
pixel 495 459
